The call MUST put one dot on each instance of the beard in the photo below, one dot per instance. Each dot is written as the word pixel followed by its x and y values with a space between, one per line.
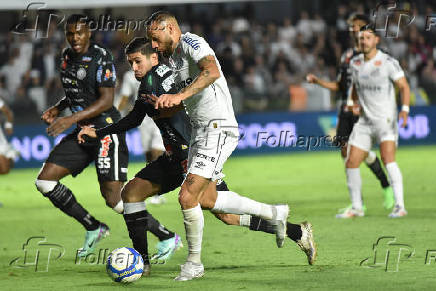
pixel 168 50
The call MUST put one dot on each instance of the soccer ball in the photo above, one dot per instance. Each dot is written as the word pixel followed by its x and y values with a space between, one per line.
pixel 124 265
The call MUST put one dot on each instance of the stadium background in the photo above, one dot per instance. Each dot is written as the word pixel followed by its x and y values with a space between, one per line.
pixel 265 49
pixel 270 95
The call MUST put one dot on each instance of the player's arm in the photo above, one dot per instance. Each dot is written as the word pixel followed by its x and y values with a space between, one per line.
pixel 168 112
pixel 404 89
pixel 311 78
pixel 131 120
pixel 9 124
pixel 209 73
pixel 51 113
pixel 102 104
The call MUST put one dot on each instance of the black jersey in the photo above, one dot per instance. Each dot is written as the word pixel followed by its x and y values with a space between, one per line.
pixel 82 75
pixel 344 74
pixel 175 131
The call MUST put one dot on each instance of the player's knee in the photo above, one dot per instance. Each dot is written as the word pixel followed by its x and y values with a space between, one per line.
pixel 45 186
pixel 186 200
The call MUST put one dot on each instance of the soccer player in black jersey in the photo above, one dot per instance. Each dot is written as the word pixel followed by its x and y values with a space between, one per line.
pixel 347 118
pixel 169 170
pixel 88 77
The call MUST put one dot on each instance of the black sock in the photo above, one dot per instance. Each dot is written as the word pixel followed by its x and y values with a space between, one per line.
pixel 63 198
pixel 137 226
pixel 258 224
pixel 158 229
pixel 294 231
pixel 379 173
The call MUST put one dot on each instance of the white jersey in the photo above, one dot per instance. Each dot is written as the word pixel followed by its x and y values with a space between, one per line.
pixel 373 81
pixel 213 103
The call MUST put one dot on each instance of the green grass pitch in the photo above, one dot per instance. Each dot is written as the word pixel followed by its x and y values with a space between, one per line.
pixel 313 184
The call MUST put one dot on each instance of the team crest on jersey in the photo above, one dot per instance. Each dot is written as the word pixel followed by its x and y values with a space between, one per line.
pixel 107 75
pixel 81 73
pixel 357 62
pixel 377 63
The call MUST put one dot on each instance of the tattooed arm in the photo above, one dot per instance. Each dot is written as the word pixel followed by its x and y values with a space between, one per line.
pixel 209 74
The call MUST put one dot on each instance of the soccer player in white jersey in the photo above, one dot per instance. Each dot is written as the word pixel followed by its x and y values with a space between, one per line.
pixel 151 139
pixel 207 101
pixel 374 74
pixel 346 118
pixel 7 152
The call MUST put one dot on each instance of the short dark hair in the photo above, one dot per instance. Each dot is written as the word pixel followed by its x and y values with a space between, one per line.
pixel 370 27
pixel 139 44
pixel 159 16
pixel 77 18
pixel 361 17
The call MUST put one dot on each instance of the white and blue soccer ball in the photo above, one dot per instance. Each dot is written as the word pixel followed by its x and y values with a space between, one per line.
pixel 124 265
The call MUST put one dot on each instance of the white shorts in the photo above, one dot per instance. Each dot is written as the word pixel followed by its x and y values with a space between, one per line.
pixel 366 133
pixel 150 135
pixel 208 150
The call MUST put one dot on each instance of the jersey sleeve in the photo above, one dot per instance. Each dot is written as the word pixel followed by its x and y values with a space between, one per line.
pixel 196 47
pixel 395 71
pixel 106 74
pixel 2 103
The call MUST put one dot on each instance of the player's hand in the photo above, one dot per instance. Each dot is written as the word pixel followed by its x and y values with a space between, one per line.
pixel 403 115
pixel 167 101
pixel 86 130
pixel 50 115
pixel 59 125
pixel 311 78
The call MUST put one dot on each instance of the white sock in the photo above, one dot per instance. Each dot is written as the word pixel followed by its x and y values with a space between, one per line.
pixel 119 208
pixel 245 220
pixel 194 224
pixel 134 207
pixel 231 202
pixel 370 159
pixel 396 180
pixel 354 183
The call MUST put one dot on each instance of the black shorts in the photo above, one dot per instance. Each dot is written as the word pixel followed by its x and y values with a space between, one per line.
pixel 110 156
pixel 346 121
pixel 164 171
pixel 169 174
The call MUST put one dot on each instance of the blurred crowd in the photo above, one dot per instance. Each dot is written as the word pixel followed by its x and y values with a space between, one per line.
pixel 265 63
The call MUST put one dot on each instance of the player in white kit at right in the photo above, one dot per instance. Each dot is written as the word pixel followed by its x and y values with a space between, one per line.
pixel 374 74
pixel 207 101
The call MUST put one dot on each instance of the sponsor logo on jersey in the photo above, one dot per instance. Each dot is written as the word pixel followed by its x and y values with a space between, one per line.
pixel 81 73
pixel 207 158
pixel 86 59
pixel 377 63
pixel 162 70
pixel 192 42
pixel 199 165
pixel 109 120
pixel 99 73
pixel 183 84
pixel 357 62
pixel 167 84
pixel 105 143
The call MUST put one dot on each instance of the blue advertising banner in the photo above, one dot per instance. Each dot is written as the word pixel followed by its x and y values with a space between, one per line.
pixel 260 133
